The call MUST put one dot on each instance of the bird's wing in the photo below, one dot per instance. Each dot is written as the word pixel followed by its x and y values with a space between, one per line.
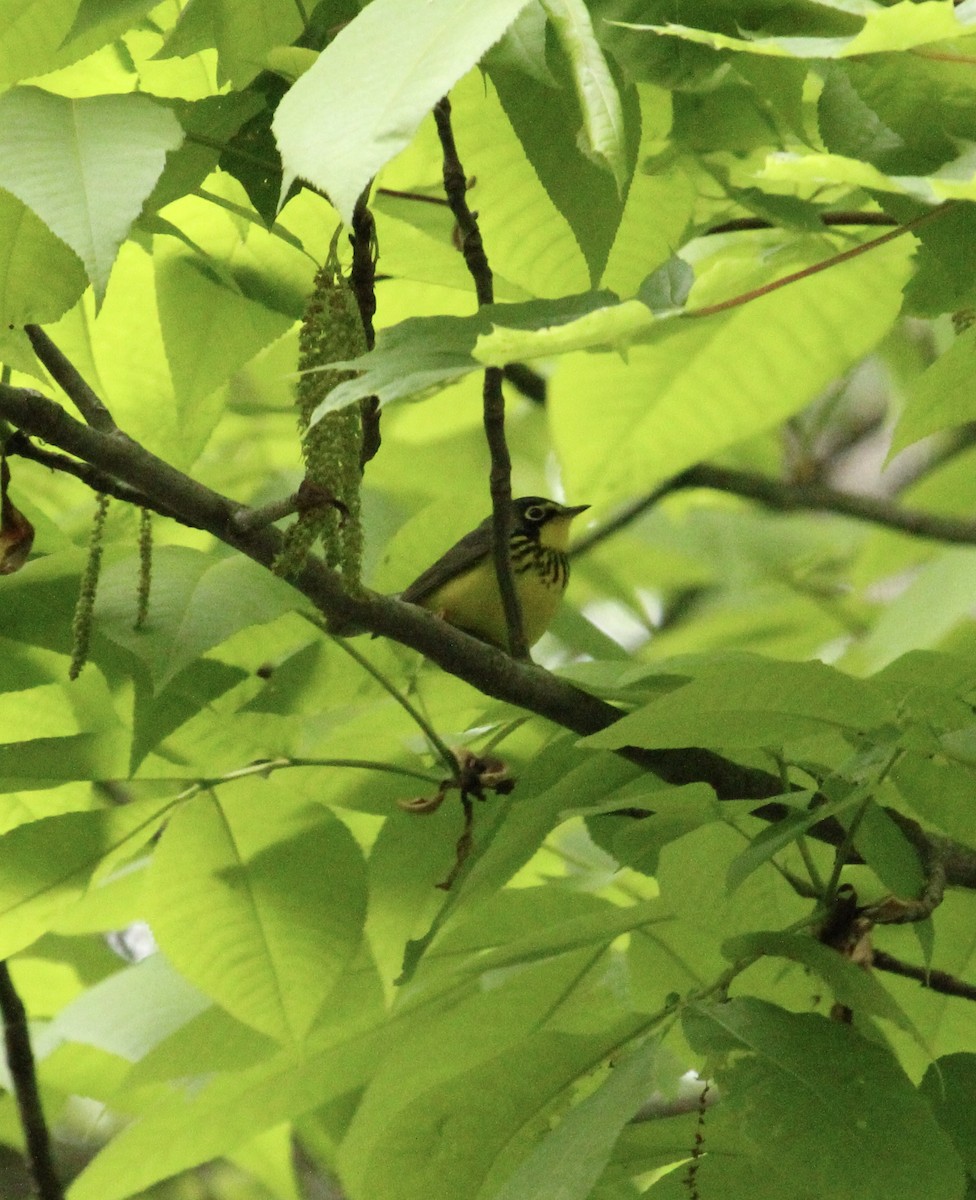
pixel 461 557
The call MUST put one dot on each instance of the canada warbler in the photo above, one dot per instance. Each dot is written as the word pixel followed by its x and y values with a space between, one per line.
pixel 462 588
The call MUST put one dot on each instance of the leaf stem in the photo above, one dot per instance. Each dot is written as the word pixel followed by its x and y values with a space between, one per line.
pixel 443 750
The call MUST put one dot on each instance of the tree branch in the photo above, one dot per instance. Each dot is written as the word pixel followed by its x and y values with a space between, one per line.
pixel 493 672
pixel 472 247
pixel 69 379
pixel 19 444
pixel 786 496
pixel 20 1063
pixel 937 981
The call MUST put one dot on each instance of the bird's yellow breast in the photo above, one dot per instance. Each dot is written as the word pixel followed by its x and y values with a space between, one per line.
pixel 473 602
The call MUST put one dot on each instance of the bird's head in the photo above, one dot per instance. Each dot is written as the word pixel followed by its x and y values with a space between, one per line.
pixel 544 520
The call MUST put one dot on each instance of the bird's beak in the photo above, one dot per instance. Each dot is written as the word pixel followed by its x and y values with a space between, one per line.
pixel 574 510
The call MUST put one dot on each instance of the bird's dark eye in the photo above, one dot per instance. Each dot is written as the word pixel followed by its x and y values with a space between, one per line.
pixel 536 514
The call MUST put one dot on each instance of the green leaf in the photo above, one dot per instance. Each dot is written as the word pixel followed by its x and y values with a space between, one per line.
pixel 942 589
pixel 899 26
pixel 84 166
pixel 210 329
pixel 568 1161
pixel 941 793
pixel 374 83
pixel 775 837
pixel 188 1127
pixel 264 917
pixel 613 326
pixel 703 384
pixel 130 1012
pixel 157 714
pixel 852 986
pixel 476 1066
pixel 545 119
pixel 425 352
pixel 947 1085
pixel 955 180
pixel 942 396
pixel 197 603
pixel 523 47
pixel 559 935
pixel 40 277
pixel 844 1092
pixel 245 30
pixel 47 864
pixel 210 125
pixel 602 138
pixel 750 701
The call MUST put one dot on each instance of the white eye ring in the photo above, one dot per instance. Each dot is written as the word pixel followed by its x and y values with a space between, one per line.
pixel 535 513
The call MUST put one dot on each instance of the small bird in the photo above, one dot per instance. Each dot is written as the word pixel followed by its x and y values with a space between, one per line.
pixel 462 588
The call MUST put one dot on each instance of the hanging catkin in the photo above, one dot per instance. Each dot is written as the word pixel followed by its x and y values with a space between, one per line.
pixel 331 330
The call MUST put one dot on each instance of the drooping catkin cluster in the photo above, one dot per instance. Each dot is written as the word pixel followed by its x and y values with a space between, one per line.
pixel 329 498
pixel 81 625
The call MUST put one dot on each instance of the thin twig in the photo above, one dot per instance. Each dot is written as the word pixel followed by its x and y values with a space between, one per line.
pixel 709 310
pixel 23 1074
pixel 937 981
pixel 70 380
pixel 362 280
pixel 472 247
pixel 99 482
pixel 418 196
pixel 258 518
pixel 785 496
pixel 443 750
pixel 744 224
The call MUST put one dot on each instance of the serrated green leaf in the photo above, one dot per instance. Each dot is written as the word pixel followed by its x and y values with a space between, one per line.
pixel 545 118
pixel 568 1161
pixel 84 166
pixel 130 1012
pixel 955 180
pixel 851 985
pixel 942 396
pixel 263 916
pixel 899 26
pixel 374 83
pixel 704 384
pixel 197 603
pixel 614 326
pixel 845 1093
pixel 210 329
pixel 245 30
pixel 425 352
pixel 48 863
pixel 602 138
pixel 40 277
pixel 751 701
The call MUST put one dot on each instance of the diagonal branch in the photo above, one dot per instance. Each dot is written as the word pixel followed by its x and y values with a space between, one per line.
pixel 70 380
pixel 786 496
pixel 490 670
pixel 23 1074
pixel 472 247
